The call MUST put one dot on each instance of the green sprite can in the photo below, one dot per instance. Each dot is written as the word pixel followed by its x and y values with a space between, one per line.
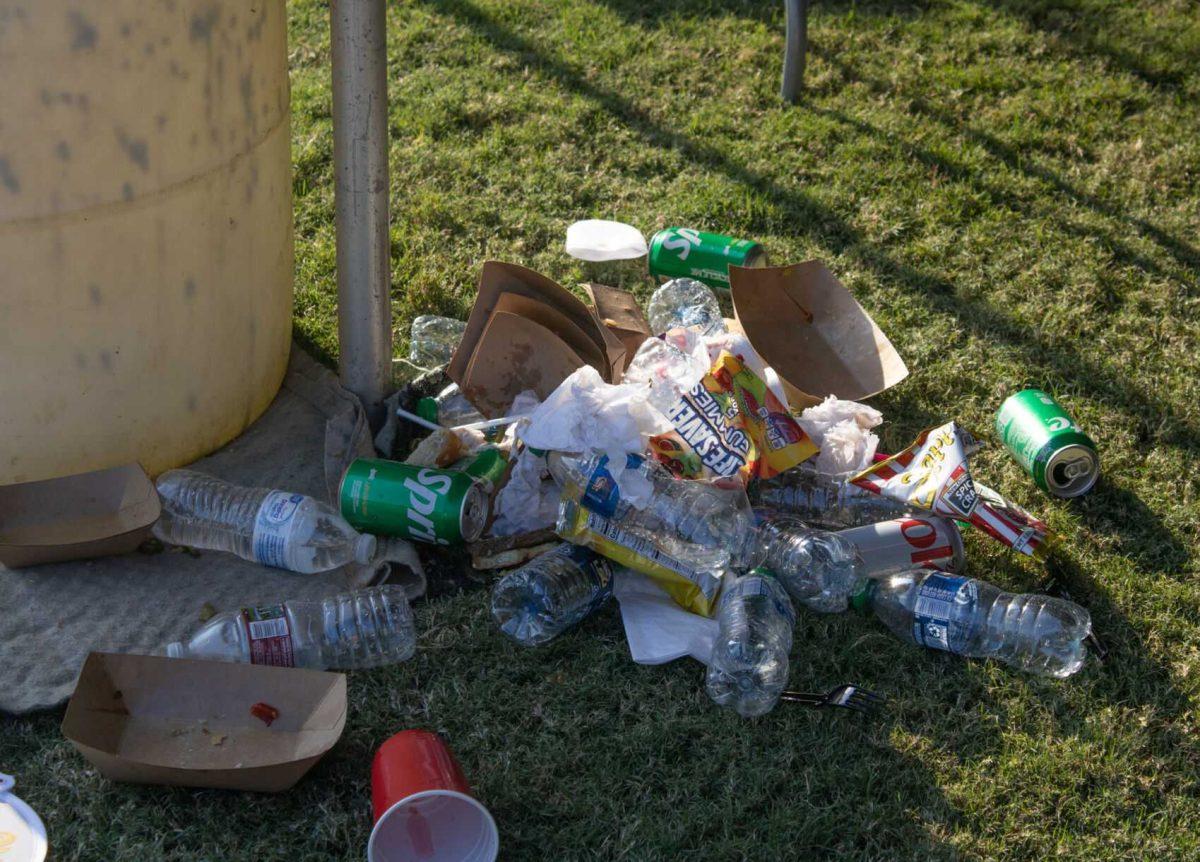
pixel 1048 444
pixel 425 504
pixel 680 252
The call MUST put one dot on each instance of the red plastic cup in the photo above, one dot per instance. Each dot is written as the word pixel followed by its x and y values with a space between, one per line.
pixel 424 808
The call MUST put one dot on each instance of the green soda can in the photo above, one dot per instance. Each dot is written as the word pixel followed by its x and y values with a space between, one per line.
pixel 424 504
pixel 680 252
pixel 1046 441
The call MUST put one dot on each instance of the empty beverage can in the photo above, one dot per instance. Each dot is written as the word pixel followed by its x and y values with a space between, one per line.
pixel 439 507
pixel 681 252
pixel 1046 441
pixel 903 544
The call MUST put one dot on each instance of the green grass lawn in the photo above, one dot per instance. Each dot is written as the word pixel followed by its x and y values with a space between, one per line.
pixel 1012 188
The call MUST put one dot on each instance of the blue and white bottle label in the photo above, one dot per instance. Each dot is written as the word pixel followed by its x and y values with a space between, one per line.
pixel 944 604
pixel 273 526
pixel 602 494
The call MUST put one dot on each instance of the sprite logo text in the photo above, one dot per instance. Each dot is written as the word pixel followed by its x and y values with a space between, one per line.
pixel 423 499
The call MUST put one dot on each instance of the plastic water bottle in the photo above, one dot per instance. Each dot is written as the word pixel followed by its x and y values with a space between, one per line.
pixel 1036 633
pixel 449 408
pixel 684 302
pixel 551 593
pixel 275 528
pixel 713 517
pixel 361 629
pixel 667 370
pixel 749 663
pixel 433 340
pixel 821 570
pixel 824 501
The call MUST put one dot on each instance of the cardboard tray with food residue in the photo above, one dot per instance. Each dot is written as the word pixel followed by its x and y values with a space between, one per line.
pixel 158 720
pixel 94 514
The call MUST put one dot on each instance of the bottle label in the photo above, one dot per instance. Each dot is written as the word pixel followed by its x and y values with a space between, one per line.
pixel 596 567
pixel 934 623
pixel 601 494
pixel 752 586
pixel 270 636
pixel 273 527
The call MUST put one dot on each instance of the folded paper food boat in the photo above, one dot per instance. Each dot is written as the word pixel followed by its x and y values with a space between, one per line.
pixel 157 720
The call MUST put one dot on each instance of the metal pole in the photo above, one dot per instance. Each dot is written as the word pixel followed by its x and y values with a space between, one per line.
pixel 360 162
pixel 795 50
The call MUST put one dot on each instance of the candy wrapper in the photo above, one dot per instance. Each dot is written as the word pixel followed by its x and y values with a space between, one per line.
pixel 933 474
pixel 731 424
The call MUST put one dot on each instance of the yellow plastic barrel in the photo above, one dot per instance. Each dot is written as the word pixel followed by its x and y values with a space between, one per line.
pixel 145 229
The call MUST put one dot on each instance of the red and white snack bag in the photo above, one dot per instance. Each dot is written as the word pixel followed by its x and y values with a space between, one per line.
pixel 933 474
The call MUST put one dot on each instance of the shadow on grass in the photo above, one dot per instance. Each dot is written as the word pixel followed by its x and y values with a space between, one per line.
pixel 1092 29
pixel 1183 252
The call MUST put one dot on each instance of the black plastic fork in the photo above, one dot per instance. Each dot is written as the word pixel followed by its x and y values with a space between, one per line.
pixel 845 696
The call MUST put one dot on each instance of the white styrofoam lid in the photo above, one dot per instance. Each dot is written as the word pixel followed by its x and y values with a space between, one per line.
pixel 22 835
pixel 598 240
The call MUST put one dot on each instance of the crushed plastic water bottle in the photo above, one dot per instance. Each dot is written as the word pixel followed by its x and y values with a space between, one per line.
pixel 355 630
pixel 1035 633
pixel 825 501
pixel 433 340
pixel 749 664
pixel 715 519
pixel 667 370
pixel 274 528
pixel 551 593
pixel 819 569
pixel 685 302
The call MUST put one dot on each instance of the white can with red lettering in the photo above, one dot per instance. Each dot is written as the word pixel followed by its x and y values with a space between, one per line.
pixel 912 542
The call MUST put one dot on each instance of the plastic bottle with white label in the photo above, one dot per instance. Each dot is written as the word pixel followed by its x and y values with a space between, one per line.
pixel 275 528
pixel 351 631
pixel 1033 632
pixel 551 593
pixel 749 664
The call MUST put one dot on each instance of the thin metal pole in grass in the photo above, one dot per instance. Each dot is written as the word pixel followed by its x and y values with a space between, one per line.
pixel 360 162
pixel 796 47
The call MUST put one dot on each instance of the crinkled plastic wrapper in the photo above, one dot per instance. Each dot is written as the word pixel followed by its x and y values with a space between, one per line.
pixel 693 588
pixel 731 424
pixel 933 474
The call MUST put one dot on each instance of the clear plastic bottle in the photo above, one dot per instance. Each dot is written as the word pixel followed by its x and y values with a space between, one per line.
pixel 825 501
pixel 714 517
pixel 749 664
pixel 668 371
pixel 550 594
pixel 433 340
pixel 685 302
pixel 360 629
pixel 1035 633
pixel 449 408
pixel 821 570
pixel 275 528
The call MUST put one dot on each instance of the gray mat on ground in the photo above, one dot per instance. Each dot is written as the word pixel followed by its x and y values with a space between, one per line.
pixel 53 615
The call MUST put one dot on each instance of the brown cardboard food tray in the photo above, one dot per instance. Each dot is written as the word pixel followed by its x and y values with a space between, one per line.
pixel 157 720
pixel 619 311
pixel 92 514
pixel 807 326
pixel 606 353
